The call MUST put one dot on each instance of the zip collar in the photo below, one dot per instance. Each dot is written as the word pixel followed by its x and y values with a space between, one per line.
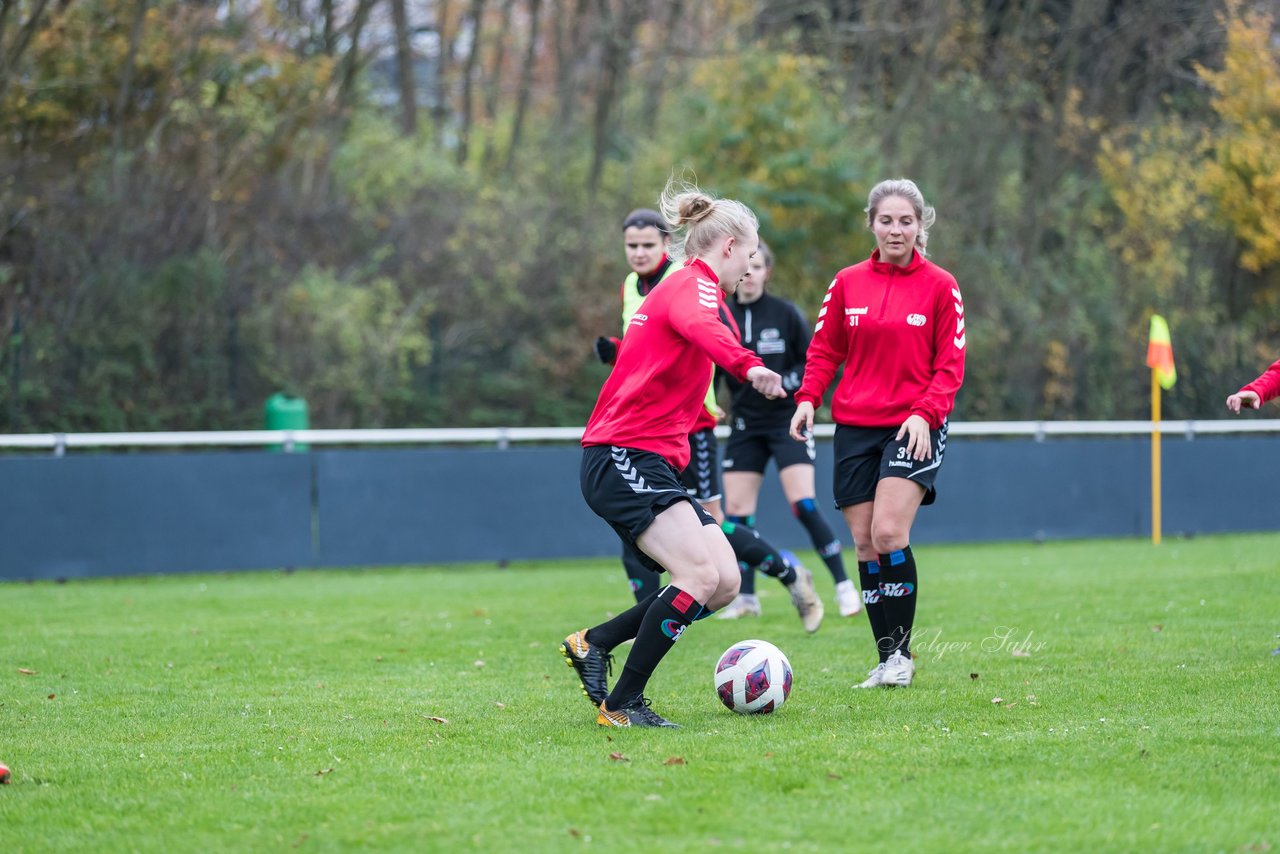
pixel 884 267
pixel 703 269
pixel 644 284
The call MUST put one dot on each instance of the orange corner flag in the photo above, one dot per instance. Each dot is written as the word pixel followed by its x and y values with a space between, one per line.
pixel 1160 352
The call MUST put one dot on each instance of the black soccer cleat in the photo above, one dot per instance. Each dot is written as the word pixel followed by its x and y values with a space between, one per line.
pixel 593 664
pixel 635 713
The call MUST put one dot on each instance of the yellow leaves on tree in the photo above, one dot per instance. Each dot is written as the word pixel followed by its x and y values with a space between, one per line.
pixel 1156 192
pixel 1242 174
pixel 1166 178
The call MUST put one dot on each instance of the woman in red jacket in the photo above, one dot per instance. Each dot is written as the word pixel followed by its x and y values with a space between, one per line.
pixel 1258 392
pixel 637 442
pixel 896 323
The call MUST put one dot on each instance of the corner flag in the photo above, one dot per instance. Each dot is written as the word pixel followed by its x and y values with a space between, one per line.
pixel 1160 353
pixel 1163 375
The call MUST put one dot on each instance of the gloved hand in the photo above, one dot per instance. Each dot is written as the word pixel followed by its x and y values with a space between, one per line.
pixel 607 350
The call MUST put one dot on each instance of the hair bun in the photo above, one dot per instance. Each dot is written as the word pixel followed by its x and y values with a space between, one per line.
pixel 695 207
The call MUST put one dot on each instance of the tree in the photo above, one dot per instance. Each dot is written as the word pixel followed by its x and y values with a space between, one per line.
pixel 1243 174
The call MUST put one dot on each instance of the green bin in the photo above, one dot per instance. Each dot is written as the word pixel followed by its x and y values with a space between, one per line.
pixel 286 412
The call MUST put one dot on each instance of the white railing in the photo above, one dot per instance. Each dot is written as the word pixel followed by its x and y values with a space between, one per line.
pixel 503 437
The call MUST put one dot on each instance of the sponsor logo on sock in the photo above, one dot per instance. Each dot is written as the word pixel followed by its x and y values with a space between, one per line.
pixel 673 629
pixel 635 583
pixel 897 588
pixel 870 597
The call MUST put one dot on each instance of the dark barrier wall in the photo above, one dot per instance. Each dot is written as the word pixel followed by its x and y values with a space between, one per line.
pixel 416 506
pixel 147 513
pixel 64 517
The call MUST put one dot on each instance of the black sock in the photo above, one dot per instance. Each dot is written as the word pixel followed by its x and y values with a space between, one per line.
pixel 754 551
pixel 643 580
pixel 898 592
pixel 669 614
pixel 621 628
pixel 748 585
pixel 869 578
pixel 825 543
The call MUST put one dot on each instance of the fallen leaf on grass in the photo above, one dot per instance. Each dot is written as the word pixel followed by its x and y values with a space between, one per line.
pixel 674 760
pixel 25 672
pixel 51 696
pixel 324 771
pixel 997 700
pixel 1157 628
pixel 500 705
pixel 438 720
pixel 575 833
pixel 479 663
pixel 618 757
pixel 973 676
pixel 831 775
pixel 1021 653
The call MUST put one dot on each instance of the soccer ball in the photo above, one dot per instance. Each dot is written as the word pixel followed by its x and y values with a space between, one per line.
pixel 753 677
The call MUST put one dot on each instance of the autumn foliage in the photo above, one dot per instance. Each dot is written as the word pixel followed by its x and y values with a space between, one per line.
pixel 406 211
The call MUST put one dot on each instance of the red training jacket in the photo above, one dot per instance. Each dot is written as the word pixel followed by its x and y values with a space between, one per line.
pixel 899 332
pixel 654 394
pixel 1266 386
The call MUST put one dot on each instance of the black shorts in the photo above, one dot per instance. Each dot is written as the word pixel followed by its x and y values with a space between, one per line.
pixel 864 455
pixel 751 450
pixel 629 488
pixel 701 477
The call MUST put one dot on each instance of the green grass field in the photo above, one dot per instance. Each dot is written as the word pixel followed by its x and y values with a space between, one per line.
pixel 1099 696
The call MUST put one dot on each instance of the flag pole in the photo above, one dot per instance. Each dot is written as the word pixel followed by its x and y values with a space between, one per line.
pixel 1155 457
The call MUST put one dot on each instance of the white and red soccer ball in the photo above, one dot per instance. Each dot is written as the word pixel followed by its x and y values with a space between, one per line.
pixel 753 677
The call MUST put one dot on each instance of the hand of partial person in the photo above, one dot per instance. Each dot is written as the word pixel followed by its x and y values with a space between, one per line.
pixel 918 445
pixel 607 350
pixel 766 382
pixel 802 422
pixel 1245 399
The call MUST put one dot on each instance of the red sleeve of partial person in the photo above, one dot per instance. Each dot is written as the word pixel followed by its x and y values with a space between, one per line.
pixel 949 340
pixel 695 315
pixel 1267 386
pixel 827 348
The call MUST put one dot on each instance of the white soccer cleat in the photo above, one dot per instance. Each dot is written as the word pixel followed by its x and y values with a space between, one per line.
pixel 874 678
pixel 898 671
pixel 805 598
pixel 848 598
pixel 743 605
